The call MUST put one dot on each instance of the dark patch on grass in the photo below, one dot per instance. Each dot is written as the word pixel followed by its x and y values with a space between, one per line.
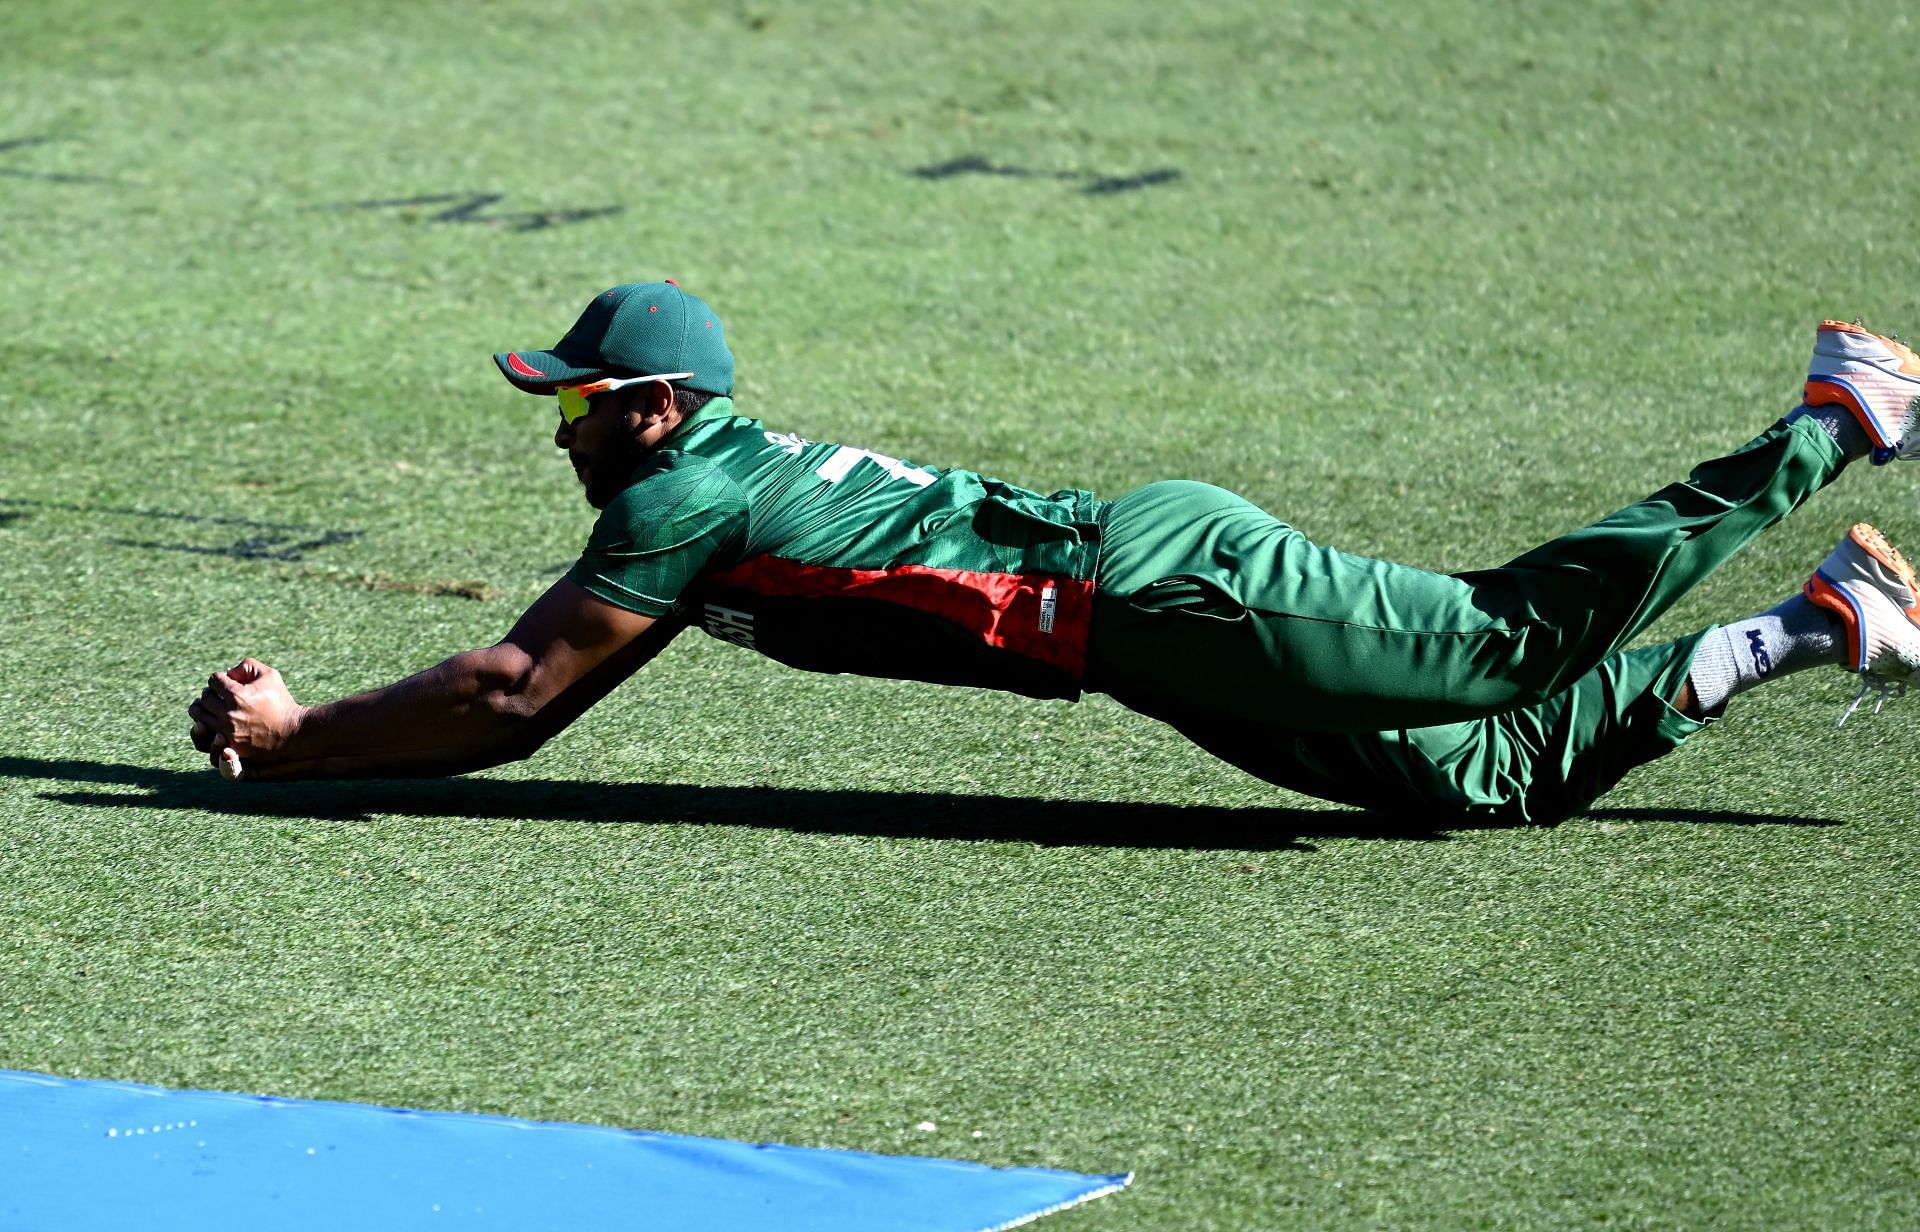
pixel 478 591
pixel 283 541
pixel 1698 817
pixel 1101 185
pixel 53 177
pixel 973 164
pixel 253 547
pixel 288 542
pixel 23 143
pixel 881 814
pixel 1127 183
pixel 199 519
pixel 474 208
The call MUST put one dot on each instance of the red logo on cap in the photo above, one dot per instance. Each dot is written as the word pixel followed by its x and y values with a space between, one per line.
pixel 523 368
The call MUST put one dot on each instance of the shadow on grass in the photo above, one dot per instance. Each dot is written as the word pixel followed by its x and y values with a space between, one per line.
pixel 887 814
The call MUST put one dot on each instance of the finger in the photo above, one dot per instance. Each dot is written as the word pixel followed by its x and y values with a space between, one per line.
pixel 249 670
pixel 202 737
pixel 211 712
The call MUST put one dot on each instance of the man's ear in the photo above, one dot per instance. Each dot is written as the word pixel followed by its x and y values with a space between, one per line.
pixel 654 405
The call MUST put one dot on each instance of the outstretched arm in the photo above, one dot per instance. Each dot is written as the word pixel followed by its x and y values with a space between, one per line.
pixel 477 709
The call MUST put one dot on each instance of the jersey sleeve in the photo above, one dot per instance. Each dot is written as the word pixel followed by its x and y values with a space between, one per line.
pixel 659 533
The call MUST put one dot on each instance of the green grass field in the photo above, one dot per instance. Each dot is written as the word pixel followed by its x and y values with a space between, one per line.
pixel 1431 281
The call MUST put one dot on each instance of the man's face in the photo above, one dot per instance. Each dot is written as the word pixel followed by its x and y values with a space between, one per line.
pixel 601 444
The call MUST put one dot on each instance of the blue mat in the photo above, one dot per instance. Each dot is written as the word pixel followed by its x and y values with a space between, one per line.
pixel 77 1154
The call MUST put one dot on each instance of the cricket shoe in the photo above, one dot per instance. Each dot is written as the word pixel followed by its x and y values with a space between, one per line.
pixel 1875 377
pixel 1873 590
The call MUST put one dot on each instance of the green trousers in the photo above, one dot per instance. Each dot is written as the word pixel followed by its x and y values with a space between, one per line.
pixel 1502 693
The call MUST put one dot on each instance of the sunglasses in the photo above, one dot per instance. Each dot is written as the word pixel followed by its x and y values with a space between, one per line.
pixel 573 398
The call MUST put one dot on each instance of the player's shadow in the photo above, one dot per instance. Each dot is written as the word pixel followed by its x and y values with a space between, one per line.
pixel 889 814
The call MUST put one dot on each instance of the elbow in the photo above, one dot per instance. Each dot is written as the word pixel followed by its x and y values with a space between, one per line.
pixel 524 710
pixel 512 712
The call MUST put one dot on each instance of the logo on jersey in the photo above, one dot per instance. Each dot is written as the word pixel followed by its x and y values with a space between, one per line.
pixel 1049 603
pixel 787 442
pixel 729 625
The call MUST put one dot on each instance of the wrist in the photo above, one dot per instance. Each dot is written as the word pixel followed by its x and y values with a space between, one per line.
pixel 295 735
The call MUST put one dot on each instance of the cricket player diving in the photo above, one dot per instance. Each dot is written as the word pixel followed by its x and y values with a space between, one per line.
pixel 1501 695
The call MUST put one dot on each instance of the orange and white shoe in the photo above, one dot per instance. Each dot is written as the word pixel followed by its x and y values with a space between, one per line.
pixel 1874 376
pixel 1875 593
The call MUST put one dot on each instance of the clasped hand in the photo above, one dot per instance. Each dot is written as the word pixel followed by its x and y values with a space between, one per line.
pixel 247 709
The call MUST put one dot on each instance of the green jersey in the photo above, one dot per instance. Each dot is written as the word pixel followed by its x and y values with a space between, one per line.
pixel 836 559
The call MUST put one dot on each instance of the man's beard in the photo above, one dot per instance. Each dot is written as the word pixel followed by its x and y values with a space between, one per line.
pixel 610 476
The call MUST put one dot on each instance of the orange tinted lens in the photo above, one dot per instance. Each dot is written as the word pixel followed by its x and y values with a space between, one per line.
pixel 573 404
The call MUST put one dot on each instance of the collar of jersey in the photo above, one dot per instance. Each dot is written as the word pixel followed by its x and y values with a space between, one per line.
pixel 716 408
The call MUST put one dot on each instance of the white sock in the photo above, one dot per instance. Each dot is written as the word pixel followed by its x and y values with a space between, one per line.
pixel 1782 640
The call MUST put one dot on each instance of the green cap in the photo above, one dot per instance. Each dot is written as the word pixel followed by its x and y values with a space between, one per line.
pixel 635 329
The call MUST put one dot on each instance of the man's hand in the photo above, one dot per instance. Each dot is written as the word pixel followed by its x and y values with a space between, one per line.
pixel 246 709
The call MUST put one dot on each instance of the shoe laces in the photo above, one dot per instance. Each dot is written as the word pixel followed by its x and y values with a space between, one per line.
pixel 1909 446
pixel 1884 689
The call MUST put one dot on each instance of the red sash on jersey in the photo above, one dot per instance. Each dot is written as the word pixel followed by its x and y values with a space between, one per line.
pixel 1035 616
